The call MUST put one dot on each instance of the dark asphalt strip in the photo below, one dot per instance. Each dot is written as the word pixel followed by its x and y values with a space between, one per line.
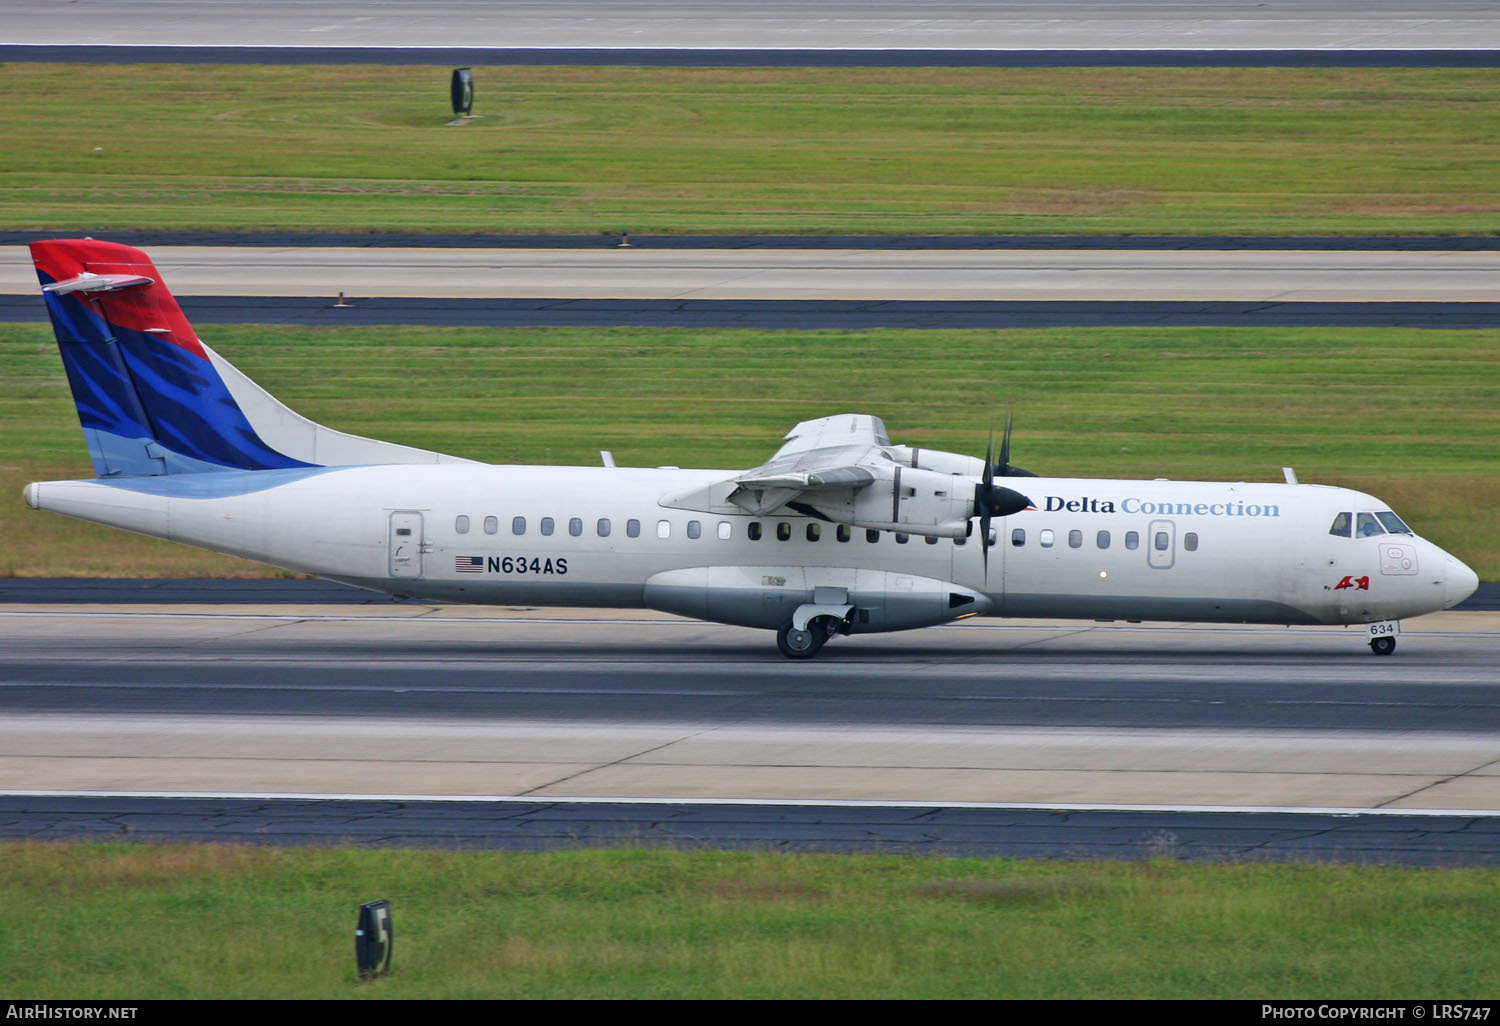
pixel 802 315
pixel 1093 834
pixel 748 58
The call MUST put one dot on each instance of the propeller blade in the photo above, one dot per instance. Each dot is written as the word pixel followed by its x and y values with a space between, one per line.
pixel 1004 467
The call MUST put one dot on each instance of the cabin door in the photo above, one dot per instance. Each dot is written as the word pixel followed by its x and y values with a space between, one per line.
pixel 1161 544
pixel 406 545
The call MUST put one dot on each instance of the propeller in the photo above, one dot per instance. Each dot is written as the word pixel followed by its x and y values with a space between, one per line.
pixel 1003 468
pixel 991 500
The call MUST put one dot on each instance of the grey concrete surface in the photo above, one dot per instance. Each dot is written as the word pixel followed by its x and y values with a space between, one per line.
pixel 1255 276
pixel 420 700
pixel 1334 25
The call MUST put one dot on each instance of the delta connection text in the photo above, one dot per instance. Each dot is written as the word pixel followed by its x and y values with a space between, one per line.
pixel 1057 504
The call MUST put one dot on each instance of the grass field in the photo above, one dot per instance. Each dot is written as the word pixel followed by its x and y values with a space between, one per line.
pixel 1407 415
pixel 702 150
pixel 134 921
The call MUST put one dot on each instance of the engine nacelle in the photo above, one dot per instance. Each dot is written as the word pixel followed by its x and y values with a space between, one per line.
pixel 906 499
pixel 936 460
pixel 769 596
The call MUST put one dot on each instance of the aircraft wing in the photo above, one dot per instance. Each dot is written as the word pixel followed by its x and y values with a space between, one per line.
pixel 842 431
pixel 830 458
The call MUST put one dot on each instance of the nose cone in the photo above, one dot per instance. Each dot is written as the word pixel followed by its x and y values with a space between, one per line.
pixel 1459 582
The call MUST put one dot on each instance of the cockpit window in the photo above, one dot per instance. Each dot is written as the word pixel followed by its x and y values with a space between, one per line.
pixel 1367 526
pixel 1341 525
pixel 1392 522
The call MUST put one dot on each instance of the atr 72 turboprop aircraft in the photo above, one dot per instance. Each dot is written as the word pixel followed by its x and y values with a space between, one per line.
pixel 841 532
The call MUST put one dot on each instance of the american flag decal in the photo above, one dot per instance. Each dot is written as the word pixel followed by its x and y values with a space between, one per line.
pixel 469 564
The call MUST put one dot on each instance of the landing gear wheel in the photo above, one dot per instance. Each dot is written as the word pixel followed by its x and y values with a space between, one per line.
pixel 1382 646
pixel 803 644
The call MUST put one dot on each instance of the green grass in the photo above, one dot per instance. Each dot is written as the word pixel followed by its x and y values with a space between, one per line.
pixel 796 150
pixel 137 922
pixel 1406 415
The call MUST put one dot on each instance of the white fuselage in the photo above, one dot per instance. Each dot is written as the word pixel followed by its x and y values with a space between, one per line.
pixel 1092 549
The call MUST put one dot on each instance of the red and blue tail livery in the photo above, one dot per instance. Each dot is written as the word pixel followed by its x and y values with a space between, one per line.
pixel 152 398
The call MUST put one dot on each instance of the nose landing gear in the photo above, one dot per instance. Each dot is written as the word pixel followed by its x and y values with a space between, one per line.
pixel 1383 636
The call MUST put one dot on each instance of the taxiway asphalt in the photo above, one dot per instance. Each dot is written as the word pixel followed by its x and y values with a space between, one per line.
pixel 446 725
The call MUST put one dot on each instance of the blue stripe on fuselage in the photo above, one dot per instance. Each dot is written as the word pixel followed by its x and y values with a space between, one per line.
pixel 222 485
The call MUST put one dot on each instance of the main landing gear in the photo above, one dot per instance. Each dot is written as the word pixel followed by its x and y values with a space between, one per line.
pixel 805 643
pixel 1383 646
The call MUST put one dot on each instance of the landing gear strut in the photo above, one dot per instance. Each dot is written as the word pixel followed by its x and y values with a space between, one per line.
pixel 1383 646
pixel 803 644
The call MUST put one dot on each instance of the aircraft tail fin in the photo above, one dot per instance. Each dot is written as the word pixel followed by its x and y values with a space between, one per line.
pixel 152 398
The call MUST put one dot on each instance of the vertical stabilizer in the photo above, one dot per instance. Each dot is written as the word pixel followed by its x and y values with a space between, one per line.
pixel 152 398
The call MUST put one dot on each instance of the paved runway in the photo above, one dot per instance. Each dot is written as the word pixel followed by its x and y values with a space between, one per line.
pixel 786 288
pixel 1326 25
pixel 815 288
pixel 1254 276
pixel 547 704
pixel 548 728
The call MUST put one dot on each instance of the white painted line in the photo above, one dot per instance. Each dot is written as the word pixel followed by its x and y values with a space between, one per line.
pixel 776 802
pixel 1324 48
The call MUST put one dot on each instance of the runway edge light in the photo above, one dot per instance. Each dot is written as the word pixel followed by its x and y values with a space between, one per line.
pixel 372 939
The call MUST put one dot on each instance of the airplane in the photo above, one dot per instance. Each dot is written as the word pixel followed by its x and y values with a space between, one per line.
pixel 841 532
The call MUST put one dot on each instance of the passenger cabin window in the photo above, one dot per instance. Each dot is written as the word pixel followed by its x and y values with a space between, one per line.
pixel 1343 524
pixel 783 531
pixel 547 526
pixel 695 529
pixel 632 528
pixel 1132 540
pixel 930 540
pixel 1366 526
pixel 1102 539
pixel 1075 539
pixel 1190 541
pixel 602 527
pixel 753 531
pixel 814 532
pixel 725 530
pixel 491 525
pixel 902 539
pixel 664 528
pixel 517 525
pixel 1162 541
pixel 575 527
pixel 843 533
pixel 871 536
pixel 1018 537
pixel 1045 537
pixel 461 525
